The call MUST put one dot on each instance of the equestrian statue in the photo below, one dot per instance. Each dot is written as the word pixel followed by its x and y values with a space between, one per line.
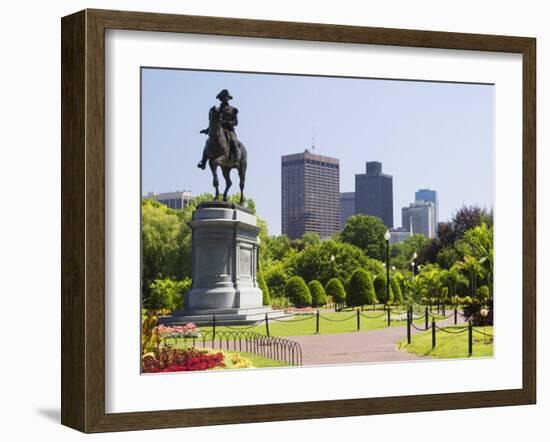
pixel 222 147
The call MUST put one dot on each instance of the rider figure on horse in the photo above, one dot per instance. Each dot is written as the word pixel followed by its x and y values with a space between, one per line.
pixel 228 122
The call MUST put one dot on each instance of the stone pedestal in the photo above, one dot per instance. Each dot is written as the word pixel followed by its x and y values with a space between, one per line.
pixel 224 266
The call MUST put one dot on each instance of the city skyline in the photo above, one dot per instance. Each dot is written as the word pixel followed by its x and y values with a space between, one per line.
pixel 426 134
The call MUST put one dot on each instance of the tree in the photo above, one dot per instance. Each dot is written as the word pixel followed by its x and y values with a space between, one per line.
pixel 166 294
pixel 266 299
pixel 401 253
pixel 298 292
pixel 447 256
pixel 361 290
pixel 335 289
pixel 430 284
pixel 276 276
pixel 381 289
pixel 318 295
pixel 471 267
pixel 452 279
pixel 367 233
pixel 314 261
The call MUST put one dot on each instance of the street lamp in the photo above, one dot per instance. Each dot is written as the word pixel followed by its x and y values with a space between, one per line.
pixel 484 312
pixel 387 237
pixel 413 263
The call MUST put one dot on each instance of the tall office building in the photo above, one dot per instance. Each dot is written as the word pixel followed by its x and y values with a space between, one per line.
pixel 310 194
pixel 419 217
pixel 430 196
pixel 374 193
pixel 347 207
pixel 174 200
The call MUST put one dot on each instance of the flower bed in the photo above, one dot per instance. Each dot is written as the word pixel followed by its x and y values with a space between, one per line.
pixel 189 330
pixel 168 359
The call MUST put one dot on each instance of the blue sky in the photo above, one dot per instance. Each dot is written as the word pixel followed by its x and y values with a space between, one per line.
pixel 426 134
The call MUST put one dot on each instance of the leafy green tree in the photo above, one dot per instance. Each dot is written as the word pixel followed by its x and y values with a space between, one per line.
pixel 276 275
pixel 447 256
pixel 453 279
pixel 298 292
pixel 473 270
pixel 318 295
pixel 401 253
pixel 367 233
pixel 166 294
pixel 381 289
pixel 161 242
pixel 266 299
pixel 277 247
pixel 430 284
pixel 335 289
pixel 361 290
pixel 314 262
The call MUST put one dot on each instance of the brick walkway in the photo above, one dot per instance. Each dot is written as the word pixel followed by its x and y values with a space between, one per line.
pixel 367 346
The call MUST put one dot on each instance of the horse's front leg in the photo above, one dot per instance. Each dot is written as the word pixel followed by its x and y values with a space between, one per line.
pixel 216 182
pixel 227 175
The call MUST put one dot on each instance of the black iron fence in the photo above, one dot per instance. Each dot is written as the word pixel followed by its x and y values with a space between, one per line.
pixel 279 349
pixel 445 329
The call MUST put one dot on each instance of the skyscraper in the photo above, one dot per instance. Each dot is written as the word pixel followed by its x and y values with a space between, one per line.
pixel 430 196
pixel 310 194
pixel 374 193
pixel 419 217
pixel 347 207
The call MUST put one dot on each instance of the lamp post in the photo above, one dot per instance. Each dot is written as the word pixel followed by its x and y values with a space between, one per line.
pixel 332 259
pixel 413 263
pixel 387 238
pixel 484 312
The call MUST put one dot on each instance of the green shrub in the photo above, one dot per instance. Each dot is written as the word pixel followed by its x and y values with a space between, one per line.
pixel 361 290
pixel 318 295
pixel 297 291
pixel 280 302
pixel 396 290
pixel 266 299
pixel 166 294
pixel 380 289
pixel 335 289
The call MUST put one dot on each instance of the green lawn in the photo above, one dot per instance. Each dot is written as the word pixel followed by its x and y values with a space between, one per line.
pixel 450 345
pixel 257 361
pixel 329 323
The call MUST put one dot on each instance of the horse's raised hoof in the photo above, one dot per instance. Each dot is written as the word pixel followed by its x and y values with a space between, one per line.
pixel 201 165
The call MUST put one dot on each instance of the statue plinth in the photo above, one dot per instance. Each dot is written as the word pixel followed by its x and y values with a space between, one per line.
pixel 224 268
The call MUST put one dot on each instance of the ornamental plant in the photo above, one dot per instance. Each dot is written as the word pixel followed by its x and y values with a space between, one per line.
pixel 381 290
pixel 266 298
pixel 361 290
pixel 298 292
pixel 335 289
pixel 318 295
pixel 168 359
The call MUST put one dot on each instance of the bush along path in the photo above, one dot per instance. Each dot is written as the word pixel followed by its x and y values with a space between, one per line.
pixel 378 345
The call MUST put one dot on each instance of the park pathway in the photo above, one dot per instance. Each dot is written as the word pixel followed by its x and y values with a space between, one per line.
pixel 364 346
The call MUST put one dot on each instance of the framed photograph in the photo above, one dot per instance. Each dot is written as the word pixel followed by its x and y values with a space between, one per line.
pixel 266 221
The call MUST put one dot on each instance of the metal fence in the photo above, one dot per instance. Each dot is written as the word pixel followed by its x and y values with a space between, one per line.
pixel 279 349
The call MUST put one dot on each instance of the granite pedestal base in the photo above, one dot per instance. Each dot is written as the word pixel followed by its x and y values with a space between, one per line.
pixel 224 268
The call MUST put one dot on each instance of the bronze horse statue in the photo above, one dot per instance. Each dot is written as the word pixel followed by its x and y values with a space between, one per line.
pixel 217 150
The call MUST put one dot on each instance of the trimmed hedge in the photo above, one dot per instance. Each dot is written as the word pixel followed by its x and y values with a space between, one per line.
pixel 396 290
pixel 298 292
pixel 335 288
pixel 266 298
pixel 361 289
pixel 380 289
pixel 318 295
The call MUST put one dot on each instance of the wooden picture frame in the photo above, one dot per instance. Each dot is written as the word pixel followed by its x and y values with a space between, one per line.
pixel 83 220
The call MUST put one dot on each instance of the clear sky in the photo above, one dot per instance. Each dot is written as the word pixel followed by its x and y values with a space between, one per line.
pixel 426 134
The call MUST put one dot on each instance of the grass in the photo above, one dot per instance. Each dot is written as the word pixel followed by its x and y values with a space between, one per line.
pixel 256 361
pixel 329 323
pixel 450 345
